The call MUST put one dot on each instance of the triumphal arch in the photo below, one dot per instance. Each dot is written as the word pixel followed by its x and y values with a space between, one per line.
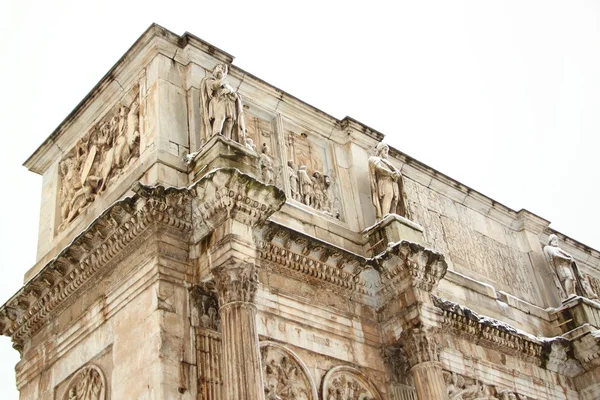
pixel 205 235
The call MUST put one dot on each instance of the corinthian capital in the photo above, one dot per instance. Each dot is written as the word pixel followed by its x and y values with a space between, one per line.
pixel 236 282
pixel 420 346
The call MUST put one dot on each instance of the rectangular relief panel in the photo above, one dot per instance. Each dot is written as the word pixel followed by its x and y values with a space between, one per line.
pixel 100 157
pixel 312 171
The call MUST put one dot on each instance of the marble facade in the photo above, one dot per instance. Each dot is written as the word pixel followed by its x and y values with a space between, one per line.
pixel 208 236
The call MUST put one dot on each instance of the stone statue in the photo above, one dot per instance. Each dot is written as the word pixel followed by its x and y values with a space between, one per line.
pixel 294 185
pixel 265 163
pixel 570 280
pixel 222 111
pixel 384 187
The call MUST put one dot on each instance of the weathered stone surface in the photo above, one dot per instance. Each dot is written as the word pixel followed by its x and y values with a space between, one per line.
pixel 196 246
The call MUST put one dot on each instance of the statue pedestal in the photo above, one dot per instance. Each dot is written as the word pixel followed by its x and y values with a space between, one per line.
pixel 392 228
pixel 220 152
pixel 577 311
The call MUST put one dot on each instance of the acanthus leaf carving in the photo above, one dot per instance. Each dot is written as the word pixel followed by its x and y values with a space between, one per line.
pixel 236 282
pixel 420 345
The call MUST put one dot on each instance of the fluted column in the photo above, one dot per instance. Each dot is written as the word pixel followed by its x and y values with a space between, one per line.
pixel 237 283
pixel 423 358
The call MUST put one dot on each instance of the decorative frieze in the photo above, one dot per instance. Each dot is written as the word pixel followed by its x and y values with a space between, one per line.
pixel 460 387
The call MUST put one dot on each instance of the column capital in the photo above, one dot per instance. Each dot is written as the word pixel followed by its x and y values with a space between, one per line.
pixel 236 281
pixel 420 346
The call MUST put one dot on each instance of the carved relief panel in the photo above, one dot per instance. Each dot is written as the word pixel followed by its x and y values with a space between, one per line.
pixel 87 384
pixel 285 377
pixel 313 179
pixel 347 383
pixel 476 246
pixel 261 137
pixel 99 157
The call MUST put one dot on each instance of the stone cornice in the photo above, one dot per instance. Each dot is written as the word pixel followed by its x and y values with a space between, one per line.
pixel 227 193
pixel 488 331
pixel 586 346
pixel 314 258
pixel 233 195
pixel 98 245
pixel 410 263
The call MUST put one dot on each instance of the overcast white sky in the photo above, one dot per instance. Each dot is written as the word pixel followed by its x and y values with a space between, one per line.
pixel 502 96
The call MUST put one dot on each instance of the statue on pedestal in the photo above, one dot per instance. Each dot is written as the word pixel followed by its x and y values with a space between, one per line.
pixel 570 281
pixel 222 111
pixel 384 182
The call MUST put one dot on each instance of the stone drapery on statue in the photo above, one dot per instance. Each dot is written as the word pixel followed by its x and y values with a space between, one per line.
pixel 570 281
pixel 222 111
pixel 383 177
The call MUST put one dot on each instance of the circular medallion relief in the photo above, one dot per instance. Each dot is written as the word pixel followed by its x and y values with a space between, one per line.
pixel 347 383
pixel 285 377
pixel 87 384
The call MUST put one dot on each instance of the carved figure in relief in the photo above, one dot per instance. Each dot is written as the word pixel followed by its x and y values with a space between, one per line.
pixel 294 184
pixel 128 135
pixel 265 163
pixel 222 111
pixel 570 280
pixel 318 185
pixel 282 378
pixel 87 384
pixel 306 185
pixel 109 146
pixel 383 177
